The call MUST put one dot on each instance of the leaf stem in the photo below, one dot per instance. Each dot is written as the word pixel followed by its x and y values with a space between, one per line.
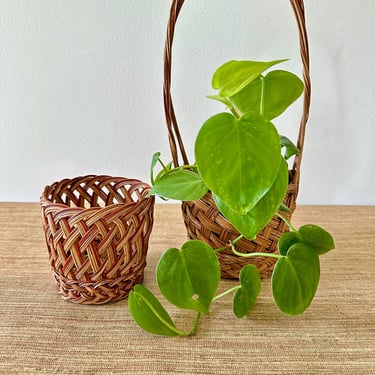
pixel 261 107
pixel 249 255
pixel 231 243
pixel 193 331
pixel 287 222
pixel 228 291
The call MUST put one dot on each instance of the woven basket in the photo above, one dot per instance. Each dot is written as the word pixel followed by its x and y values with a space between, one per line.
pixel 202 219
pixel 97 230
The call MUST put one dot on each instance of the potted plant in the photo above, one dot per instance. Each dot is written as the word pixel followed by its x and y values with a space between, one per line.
pixel 241 160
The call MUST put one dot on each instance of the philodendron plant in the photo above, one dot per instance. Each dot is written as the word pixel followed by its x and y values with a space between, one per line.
pixel 242 160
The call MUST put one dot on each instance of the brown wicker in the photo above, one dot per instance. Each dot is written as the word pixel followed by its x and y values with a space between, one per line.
pixel 97 230
pixel 202 219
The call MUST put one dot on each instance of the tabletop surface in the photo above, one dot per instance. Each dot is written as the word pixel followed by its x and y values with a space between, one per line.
pixel 40 333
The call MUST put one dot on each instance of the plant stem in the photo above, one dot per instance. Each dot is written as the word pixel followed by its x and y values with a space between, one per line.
pixel 163 165
pixel 286 221
pixel 195 326
pixel 249 255
pixel 231 243
pixel 226 292
pixel 261 108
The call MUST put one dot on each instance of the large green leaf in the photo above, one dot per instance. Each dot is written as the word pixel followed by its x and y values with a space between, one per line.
pixel 238 159
pixel 270 95
pixel 254 220
pixel 295 279
pixel 245 297
pixel 316 237
pixel 180 184
pixel 234 75
pixel 188 277
pixel 149 314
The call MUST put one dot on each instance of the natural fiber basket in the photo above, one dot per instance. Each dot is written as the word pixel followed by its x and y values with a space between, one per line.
pixel 97 230
pixel 202 219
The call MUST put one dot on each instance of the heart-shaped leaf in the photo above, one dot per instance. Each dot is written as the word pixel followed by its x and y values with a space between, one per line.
pixel 188 277
pixel 295 279
pixel 245 297
pixel 180 184
pixel 149 314
pixel 253 221
pixel 238 159
pixel 316 237
pixel 270 95
pixel 234 75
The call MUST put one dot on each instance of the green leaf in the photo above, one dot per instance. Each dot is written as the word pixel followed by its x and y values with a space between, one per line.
pixel 316 237
pixel 290 147
pixel 286 240
pixel 238 159
pixel 245 297
pixel 180 184
pixel 234 75
pixel 149 314
pixel 270 95
pixel 155 159
pixel 254 220
pixel 295 279
pixel 188 278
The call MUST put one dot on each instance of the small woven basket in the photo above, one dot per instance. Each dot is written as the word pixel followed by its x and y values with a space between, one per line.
pixel 202 219
pixel 97 230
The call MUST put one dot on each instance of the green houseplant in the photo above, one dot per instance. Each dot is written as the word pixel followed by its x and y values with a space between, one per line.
pixel 242 160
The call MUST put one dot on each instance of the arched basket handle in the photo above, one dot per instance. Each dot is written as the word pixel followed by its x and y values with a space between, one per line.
pixel 175 140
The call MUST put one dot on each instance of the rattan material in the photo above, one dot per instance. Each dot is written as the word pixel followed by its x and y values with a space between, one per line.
pixel 97 230
pixel 202 219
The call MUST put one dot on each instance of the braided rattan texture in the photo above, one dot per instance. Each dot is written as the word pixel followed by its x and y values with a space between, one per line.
pixel 97 230
pixel 203 221
pixel 202 218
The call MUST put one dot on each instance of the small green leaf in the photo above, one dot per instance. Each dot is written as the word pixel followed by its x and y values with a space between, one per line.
pixel 284 208
pixel 318 238
pixel 295 279
pixel 234 75
pixel 155 159
pixel 180 184
pixel 245 297
pixel 313 235
pixel 290 147
pixel 238 159
pixel 254 220
pixel 149 314
pixel 270 95
pixel 188 277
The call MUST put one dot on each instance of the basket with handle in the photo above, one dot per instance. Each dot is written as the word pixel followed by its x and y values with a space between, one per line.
pixel 97 230
pixel 201 217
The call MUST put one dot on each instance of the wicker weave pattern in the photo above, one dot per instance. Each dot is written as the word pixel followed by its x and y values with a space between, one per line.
pixel 202 219
pixel 97 230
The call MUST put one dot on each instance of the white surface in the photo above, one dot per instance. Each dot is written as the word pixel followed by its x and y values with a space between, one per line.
pixel 81 86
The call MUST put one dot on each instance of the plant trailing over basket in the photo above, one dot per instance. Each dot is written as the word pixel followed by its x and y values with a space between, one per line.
pixel 241 160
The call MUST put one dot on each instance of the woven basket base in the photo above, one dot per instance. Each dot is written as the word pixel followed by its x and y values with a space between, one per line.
pixel 95 293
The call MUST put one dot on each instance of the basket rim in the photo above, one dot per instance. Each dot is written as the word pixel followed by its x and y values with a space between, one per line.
pixel 46 202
